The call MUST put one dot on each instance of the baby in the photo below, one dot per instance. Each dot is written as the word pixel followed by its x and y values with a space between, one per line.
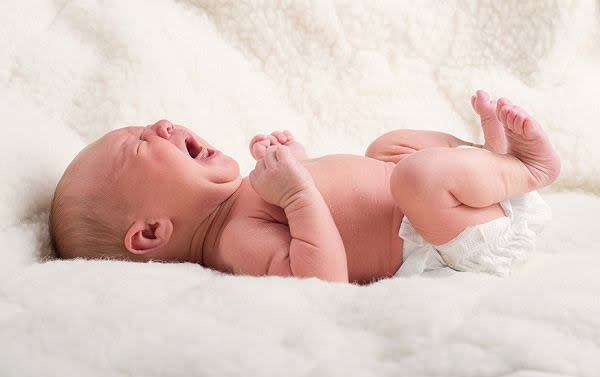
pixel 162 193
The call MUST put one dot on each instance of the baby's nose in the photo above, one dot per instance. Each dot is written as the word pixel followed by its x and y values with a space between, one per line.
pixel 163 128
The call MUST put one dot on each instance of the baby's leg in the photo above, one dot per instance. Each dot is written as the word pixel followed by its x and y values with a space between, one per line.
pixel 396 145
pixel 444 190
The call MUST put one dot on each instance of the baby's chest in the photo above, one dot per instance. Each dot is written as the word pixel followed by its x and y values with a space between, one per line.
pixel 251 247
pixel 257 232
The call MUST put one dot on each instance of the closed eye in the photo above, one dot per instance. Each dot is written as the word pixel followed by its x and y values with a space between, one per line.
pixel 141 141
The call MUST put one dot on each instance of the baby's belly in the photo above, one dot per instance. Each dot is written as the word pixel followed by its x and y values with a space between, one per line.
pixel 357 191
pixel 373 247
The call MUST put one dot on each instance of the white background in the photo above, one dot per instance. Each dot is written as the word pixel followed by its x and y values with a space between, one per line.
pixel 337 74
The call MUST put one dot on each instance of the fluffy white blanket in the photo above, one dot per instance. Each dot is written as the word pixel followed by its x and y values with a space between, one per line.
pixel 338 74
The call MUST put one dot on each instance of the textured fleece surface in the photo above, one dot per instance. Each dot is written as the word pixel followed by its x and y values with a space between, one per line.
pixel 337 74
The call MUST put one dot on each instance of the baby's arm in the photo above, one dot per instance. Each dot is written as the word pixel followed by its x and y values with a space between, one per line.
pixel 316 248
pixel 395 145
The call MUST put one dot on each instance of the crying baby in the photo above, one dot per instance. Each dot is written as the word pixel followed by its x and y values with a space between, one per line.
pixel 417 200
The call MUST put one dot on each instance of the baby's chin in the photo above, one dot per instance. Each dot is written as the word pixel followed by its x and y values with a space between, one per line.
pixel 230 171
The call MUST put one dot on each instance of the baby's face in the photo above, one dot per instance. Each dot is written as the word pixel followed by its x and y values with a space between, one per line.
pixel 160 170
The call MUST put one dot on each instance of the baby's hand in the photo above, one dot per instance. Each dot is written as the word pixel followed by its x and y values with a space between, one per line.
pixel 279 178
pixel 261 143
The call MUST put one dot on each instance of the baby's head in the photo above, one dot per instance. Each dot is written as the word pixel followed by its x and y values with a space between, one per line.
pixel 140 193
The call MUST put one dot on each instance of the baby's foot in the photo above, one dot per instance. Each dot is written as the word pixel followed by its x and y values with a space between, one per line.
pixel 260 143
pixel 528 142
pixel 493 130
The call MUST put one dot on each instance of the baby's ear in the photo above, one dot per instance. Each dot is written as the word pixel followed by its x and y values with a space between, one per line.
pixel 148 236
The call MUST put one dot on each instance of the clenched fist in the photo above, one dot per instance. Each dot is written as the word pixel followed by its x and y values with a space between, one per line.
pixel 279 178
pixel 261 143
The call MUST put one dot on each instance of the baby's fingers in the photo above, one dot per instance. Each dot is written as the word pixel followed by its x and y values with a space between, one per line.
pixel 256 139
pixel 282 136
pixel 259 150
pixel 288 134
pixel 270 157
pixel 283 153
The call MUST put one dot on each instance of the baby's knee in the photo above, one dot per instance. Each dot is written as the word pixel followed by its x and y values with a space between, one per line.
pixel 408 178
pixel 420 176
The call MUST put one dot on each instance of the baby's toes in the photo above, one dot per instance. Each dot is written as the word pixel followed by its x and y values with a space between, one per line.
pixel 519 119
pixel 481 102
pixel 502 103
pixel 482 99
pixel 502 114
pixel 511 117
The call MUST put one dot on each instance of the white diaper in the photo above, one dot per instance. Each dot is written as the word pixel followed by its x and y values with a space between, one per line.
pixel 493 247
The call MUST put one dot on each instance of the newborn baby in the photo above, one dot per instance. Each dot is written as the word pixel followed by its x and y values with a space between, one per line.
pixel 162 193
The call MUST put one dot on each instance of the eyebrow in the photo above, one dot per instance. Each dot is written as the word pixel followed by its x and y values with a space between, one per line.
pixel 122 149
pixel 122 152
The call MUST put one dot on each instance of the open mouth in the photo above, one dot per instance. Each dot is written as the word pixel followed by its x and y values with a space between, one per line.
pixel 197 151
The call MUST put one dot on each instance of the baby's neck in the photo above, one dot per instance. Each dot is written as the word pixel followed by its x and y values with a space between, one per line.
pixel 206 234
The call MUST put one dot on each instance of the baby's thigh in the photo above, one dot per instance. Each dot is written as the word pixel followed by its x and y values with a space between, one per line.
pixel 439 226
pixel 421 186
